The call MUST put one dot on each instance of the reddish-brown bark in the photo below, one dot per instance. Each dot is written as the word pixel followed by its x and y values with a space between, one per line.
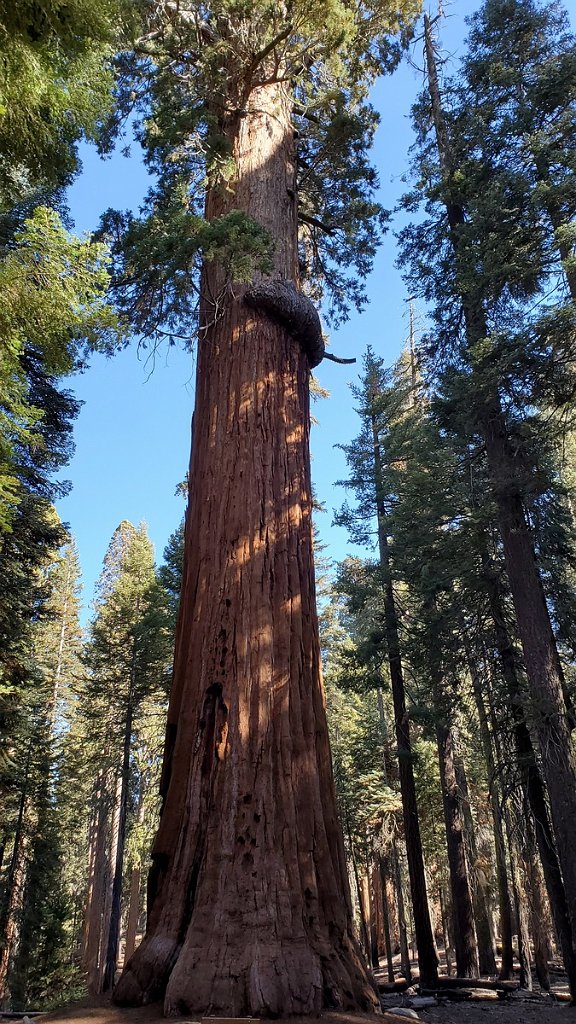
pixel 383 908
pixel 249 907
pixel 92 926
pixel 133 913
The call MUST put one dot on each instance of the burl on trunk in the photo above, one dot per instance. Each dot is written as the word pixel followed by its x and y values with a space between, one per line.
pixel 249 908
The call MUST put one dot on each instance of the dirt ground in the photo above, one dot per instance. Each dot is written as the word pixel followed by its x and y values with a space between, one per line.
pixel 515 1011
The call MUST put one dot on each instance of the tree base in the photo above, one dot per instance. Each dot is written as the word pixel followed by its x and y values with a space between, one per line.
pixel 260 979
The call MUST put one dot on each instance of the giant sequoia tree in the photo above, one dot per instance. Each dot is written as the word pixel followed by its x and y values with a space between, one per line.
pixel 249 910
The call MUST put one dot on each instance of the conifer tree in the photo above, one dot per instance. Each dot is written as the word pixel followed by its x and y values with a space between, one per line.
pixel 55 83
pixel 482 272
pixel 55 88
pixel 35 937
pixel 373 497
pixel 127 652
pixel 228 89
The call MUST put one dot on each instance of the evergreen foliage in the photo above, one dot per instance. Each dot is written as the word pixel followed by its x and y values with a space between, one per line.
pixel 187 83
pixel 55 87
pixel 36 900
pixel 127 656
pixel 492 252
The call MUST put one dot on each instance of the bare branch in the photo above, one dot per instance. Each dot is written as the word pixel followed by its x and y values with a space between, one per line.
pixel 328 229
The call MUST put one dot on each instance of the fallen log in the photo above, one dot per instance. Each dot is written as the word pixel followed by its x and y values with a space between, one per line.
pixel 495 986
pixel 473 994
pixel 392 987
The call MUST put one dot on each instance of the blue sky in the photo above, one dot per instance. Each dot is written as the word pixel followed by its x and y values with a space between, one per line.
pixel 133 432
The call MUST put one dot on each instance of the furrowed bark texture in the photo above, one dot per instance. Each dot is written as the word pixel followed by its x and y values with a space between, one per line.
pixel 249 906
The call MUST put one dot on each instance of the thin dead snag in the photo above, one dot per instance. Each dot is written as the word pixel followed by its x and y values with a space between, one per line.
pixel 249 909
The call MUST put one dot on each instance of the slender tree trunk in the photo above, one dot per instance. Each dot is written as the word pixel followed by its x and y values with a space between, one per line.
pixel 93 927
pixel 57 681
pixel 536 795
pixel 110 861
pixel 14 888
pixel 514 825
pixel 445 932
pixel 519 891
pixel 116 903
pixel 359 892
pixel 427 956
pixel 463 929
pixel 135 880
pixel 539 915
pixel 548 711
pixel 462 910
pixel 369 914
pixel 504 902
pixel 92 834
pixel 385 880
pixel 480 894
pixel 249 906
pixel 13 905
pixel 405 965
pixel 133 913
pixel 386 918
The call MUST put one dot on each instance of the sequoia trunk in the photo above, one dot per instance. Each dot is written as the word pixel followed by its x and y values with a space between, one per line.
pixel 249 906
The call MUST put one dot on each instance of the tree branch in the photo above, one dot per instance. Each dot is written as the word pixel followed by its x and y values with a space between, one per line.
pixel 262 54
pixel 337 359
pixel 315 223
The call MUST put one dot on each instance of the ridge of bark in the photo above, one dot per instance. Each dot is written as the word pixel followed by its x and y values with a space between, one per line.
pixel 284 303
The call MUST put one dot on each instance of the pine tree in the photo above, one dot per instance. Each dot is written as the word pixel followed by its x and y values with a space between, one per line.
pixel 129 645
pixel 484 268
pixel 373 498
pixel 34 962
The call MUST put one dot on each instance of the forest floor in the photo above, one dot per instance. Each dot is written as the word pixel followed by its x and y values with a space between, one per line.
pixel 514 1011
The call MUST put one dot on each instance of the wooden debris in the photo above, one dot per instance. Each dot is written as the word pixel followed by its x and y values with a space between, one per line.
pixel 230 1020
pixel 392 987
pixel 494 986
